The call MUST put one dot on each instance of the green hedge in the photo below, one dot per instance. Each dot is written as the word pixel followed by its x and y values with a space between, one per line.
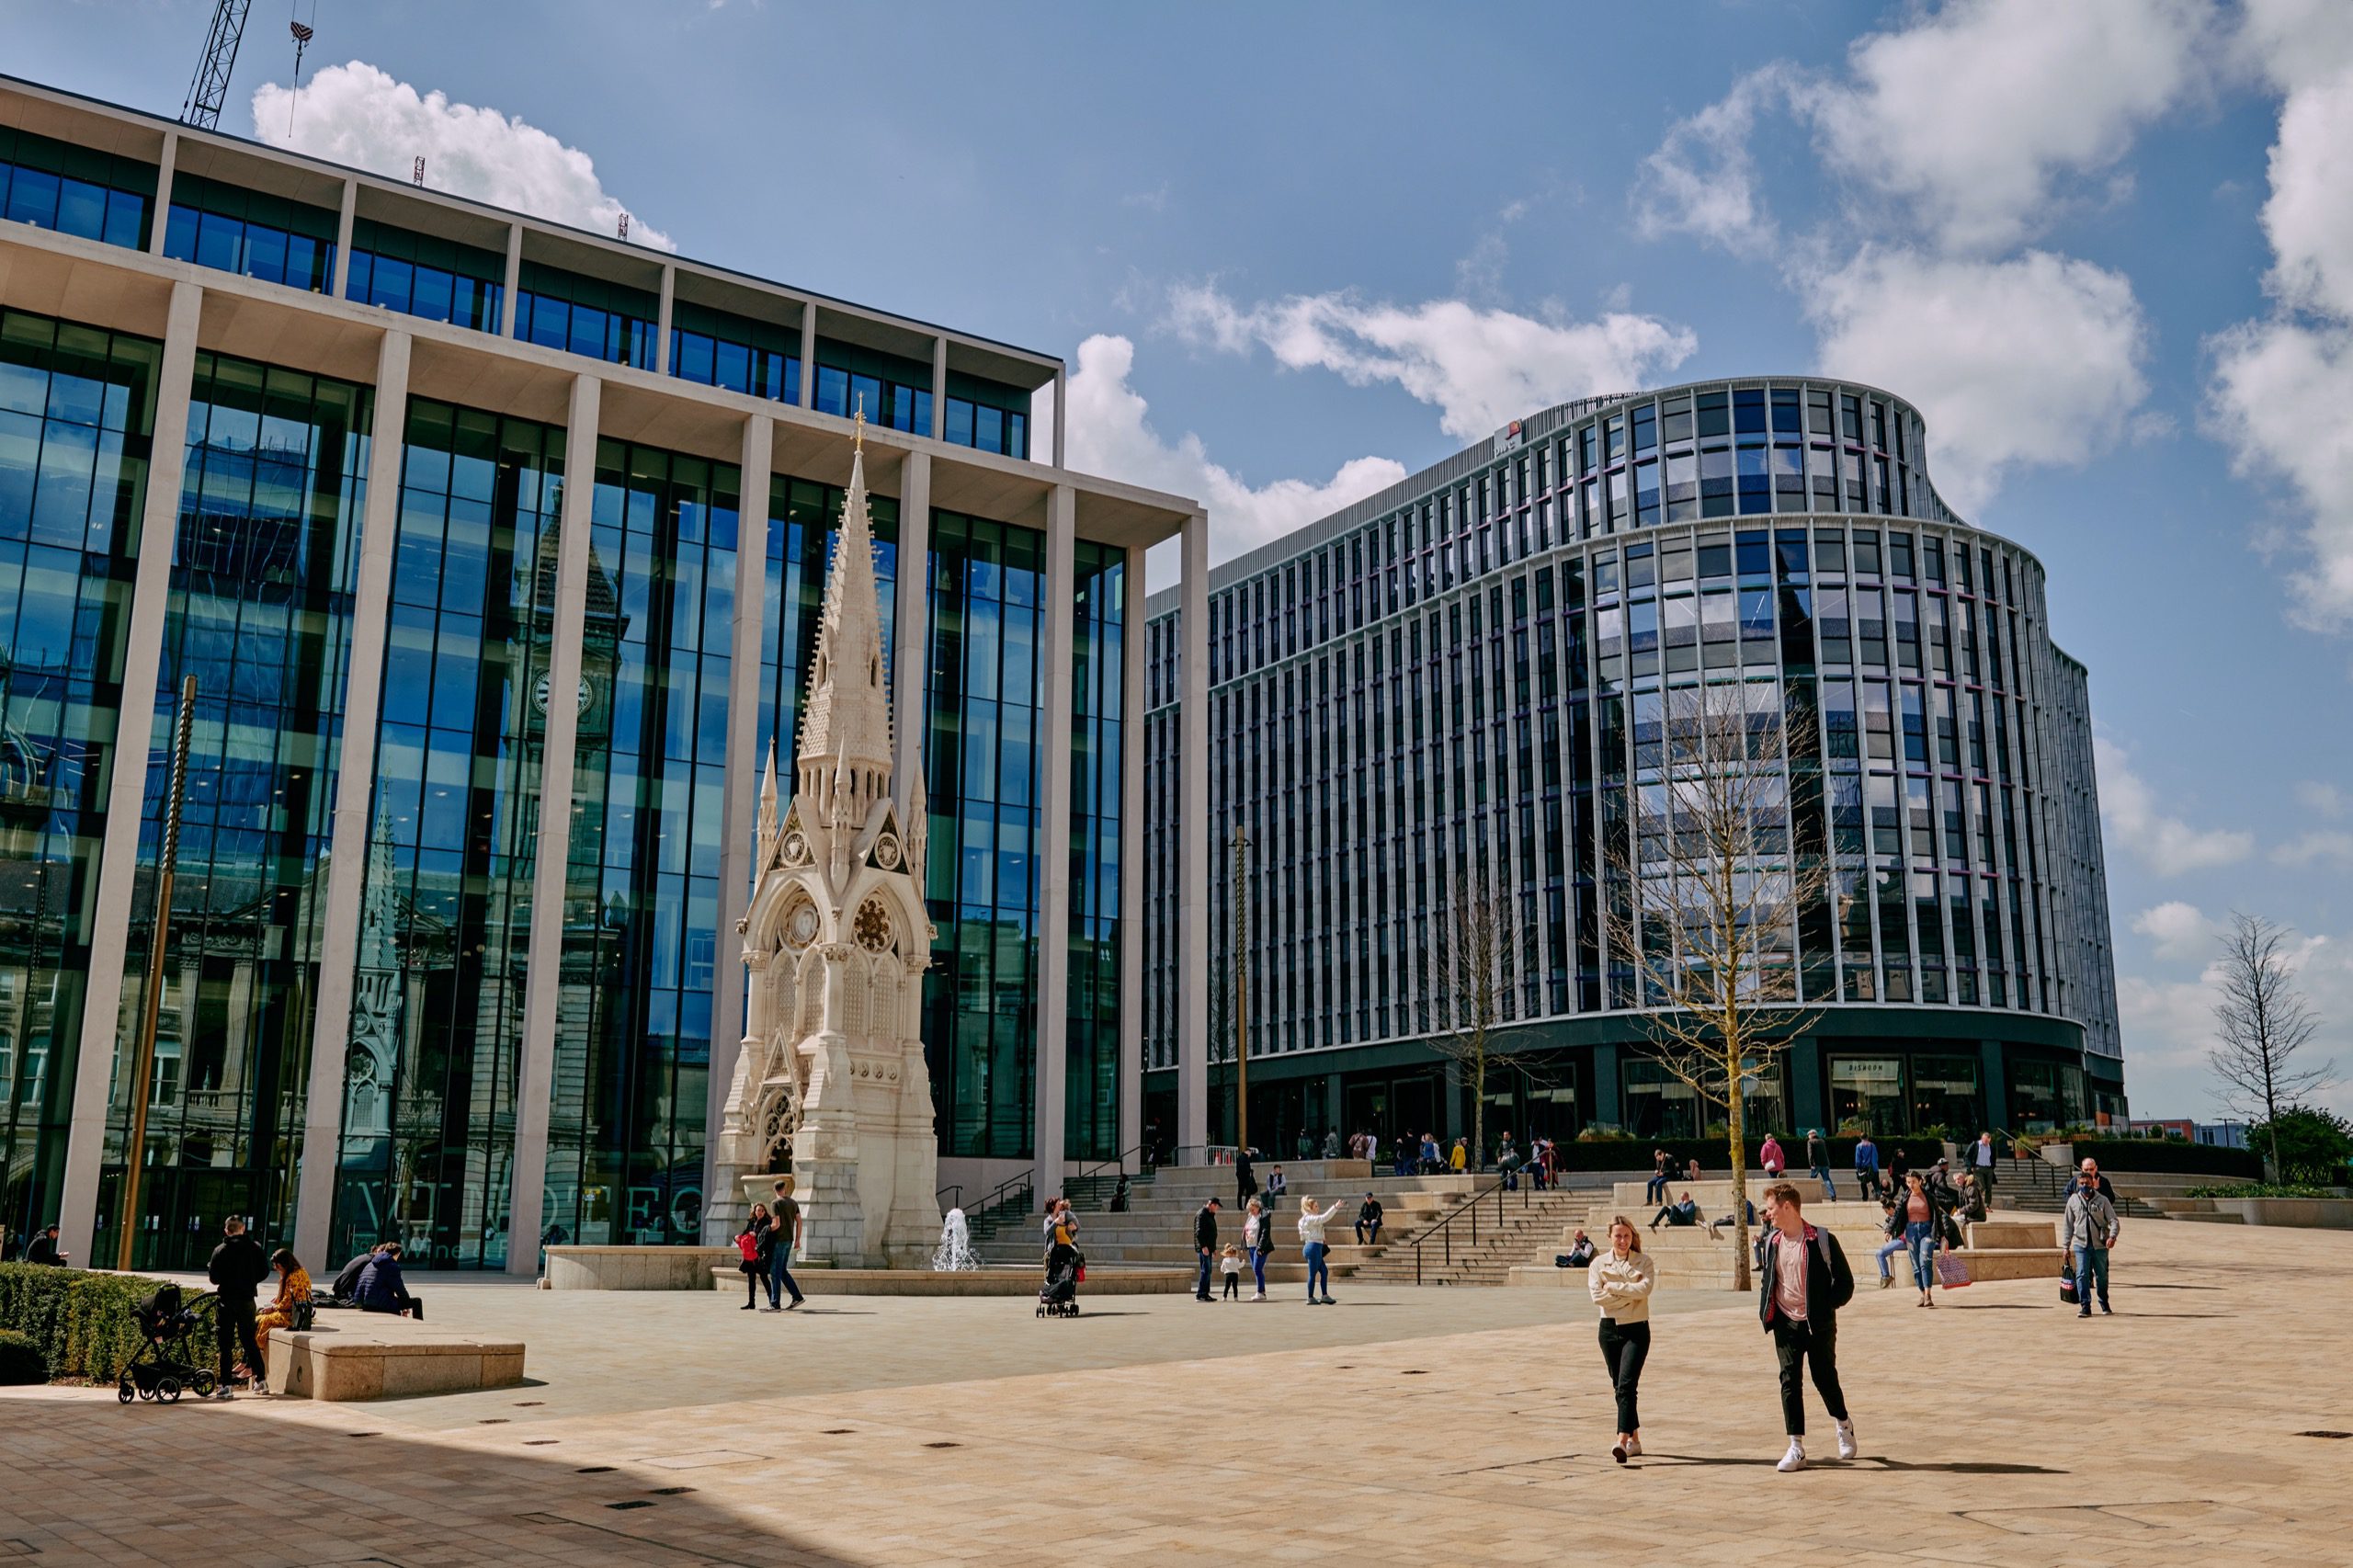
pixel 2165 1155
pixel 84 1325
pixel 20 1360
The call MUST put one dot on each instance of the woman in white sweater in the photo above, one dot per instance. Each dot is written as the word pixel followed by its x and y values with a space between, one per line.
pixel 1620 1280
pixel 1311 1221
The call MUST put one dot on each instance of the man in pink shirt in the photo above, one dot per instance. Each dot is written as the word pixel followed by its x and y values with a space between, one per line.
pixel 1805 1281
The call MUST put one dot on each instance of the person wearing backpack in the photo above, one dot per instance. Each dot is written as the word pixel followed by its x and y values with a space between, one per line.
pixel 1803 1282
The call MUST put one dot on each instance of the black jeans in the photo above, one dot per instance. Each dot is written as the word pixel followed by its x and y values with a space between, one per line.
pixel 232 1329
pixel 1624 1348
pixel 1794 1341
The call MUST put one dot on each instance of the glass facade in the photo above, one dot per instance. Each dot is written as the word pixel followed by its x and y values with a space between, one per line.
pixel 252 234
pixel 264 561
pixel 892 390
pixel 1479 678
pixel 986 782
pixel 437 1025
pixel 76 416
pixel 756 358
pixel 1098 745
pixel 641 913
pixel 585 315
pixel 95 196
pixel 419 274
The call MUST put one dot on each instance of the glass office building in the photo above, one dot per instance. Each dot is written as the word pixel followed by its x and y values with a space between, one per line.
pixel 465 526
pixel 1475 666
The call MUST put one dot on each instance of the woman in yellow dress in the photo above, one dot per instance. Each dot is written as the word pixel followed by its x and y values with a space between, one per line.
pixel 293 1292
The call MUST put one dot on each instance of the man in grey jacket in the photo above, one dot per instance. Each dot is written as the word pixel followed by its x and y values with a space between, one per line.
pixel 2088 1229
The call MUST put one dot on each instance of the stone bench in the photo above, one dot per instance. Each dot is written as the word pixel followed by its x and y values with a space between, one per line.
pixel 634 1268
pixel 353 1356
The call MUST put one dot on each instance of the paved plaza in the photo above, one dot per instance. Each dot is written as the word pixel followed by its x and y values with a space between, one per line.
pixel 1439 1426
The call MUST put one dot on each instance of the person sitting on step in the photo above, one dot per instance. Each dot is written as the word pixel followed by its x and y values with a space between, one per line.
pixel 1685 1213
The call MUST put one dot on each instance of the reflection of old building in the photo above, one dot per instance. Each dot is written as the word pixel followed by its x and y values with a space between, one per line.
pixel 513 524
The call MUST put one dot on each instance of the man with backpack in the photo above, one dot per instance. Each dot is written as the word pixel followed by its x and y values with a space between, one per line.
pixel 1803 1281
pixel 237 1269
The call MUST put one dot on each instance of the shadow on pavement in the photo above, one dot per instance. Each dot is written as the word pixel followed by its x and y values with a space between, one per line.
pixel 322 1489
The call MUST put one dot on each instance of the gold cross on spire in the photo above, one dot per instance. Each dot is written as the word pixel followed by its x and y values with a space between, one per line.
pixel 859 417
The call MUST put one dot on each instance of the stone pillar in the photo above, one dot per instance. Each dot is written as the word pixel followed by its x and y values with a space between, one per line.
pixel 1132 880
pixel 1801 1076
pixel 911 627
pixel 825 1151
pixel 560 728
pixel 722 1206
pixel 662 320
pixel 1062 414
pixel 514 280
pixel 355 792
pixel 127 784
pixel 1050 1133
pixel 938 387
pixel 807 353
pixel 1193 844
pixel 342 286
pixel 161 221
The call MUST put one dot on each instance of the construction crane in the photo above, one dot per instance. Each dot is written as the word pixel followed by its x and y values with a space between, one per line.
pixel 205 93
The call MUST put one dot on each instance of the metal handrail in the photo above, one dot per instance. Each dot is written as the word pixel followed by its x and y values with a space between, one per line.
pixel 1120 1160
pixel 1445 1228
pixel 958 1188
pixel 1004 1191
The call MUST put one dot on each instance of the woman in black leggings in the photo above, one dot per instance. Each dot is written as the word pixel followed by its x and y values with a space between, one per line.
pixel 1620 1280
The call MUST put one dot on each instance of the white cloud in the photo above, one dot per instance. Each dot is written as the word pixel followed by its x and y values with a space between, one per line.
pixel 1109 433
pixel 2334 844
pixel 2035 359
pixel 2281 383
pixel 2321 800
pixel 358 115
pixel 1478 368
pixel 2166 844
pixel 1702 180
pixel 2175 930
pixel 1972 114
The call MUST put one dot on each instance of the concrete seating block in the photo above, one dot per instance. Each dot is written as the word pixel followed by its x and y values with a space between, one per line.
pixel 365 1356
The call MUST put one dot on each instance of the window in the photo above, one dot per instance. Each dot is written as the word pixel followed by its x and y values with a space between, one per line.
pixel 95 196
pixel 716 349
pixel 250 233
pixel 420 275
pixel 589 316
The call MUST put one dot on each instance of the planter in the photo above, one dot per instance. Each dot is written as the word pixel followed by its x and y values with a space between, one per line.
pixel 2321 1213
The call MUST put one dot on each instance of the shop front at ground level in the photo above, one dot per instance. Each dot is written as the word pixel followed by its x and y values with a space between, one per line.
pixel 1889 1074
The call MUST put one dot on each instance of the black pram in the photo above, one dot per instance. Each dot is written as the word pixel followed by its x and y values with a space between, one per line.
pixel 1058 1297
pixel 164 1365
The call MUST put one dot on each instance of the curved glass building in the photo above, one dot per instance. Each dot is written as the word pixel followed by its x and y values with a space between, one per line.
pixel 1474 666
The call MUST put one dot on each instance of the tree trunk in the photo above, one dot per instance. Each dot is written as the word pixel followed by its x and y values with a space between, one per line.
pixel 1477 1161
pixel 1740 1279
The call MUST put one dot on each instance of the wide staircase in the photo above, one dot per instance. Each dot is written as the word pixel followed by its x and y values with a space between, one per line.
pixel 1156 1231
pixel 2009 1246
pixel 2038 1187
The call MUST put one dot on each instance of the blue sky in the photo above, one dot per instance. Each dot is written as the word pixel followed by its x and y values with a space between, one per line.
pixel 1292 252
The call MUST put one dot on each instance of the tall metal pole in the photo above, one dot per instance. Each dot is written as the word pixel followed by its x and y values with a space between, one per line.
pixel 1240 992
pixel 143 1060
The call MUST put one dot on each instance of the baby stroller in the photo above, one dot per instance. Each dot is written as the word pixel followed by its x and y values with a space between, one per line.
pixel 1058 1297
pixel 165 1366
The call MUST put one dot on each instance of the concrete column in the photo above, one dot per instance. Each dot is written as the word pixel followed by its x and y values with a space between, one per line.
pixel 514 282
pixel 1801 1076
pixel 127 780
pixel 355 792
pixel 1193 838
pixel 161 217
pixel 741 798
pixel 1607 1101
pixel 938 387
pixel 343 250
pixel 1053 903
pixel 1994 1083
pixel 912 624
pixel 1062 414
pixel 662 320
pixel 542 996
pixel 807 353
pixel 1132 890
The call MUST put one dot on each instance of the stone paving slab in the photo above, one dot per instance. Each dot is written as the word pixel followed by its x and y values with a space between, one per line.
pixel 1431 1426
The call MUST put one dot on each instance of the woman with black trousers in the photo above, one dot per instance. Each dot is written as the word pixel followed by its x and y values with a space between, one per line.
pixel 1620 1280
pixel 761 1232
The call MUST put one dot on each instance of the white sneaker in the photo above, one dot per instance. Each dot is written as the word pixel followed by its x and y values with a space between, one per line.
pixel 1795 1458
pixel 1259 1297
pixel 1633 1448
pixel 1846 1448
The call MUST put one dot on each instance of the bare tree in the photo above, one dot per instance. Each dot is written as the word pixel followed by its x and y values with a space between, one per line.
pixel 2262 1022
pixel 1710 891
pixel 1476 945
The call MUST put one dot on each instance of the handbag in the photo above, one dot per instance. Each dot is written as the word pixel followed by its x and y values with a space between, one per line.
pixel 2067 1283
pixel 1951 1273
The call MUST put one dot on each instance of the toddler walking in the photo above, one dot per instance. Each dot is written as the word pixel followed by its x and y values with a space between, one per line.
pixel 1230 1263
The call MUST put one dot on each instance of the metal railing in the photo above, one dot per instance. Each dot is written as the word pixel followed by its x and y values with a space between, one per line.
pixel 1443 1232
pixel 1118 1162
pixel 941 1197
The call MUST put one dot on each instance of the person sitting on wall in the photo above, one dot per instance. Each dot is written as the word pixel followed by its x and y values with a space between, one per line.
pixel 44 1249
pixel 1368 1220
pixel 1685 1213
pixel 382 1288
pixel 1725 1223
pixel 1580 1253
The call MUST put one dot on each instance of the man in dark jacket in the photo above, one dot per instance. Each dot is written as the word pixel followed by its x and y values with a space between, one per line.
pixel 1804 1283
pixel 238 1267
pixel 1368 1222
pixel 1205 1242
pixel 345 1292
pixel 44 1248
pixel 382 1288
